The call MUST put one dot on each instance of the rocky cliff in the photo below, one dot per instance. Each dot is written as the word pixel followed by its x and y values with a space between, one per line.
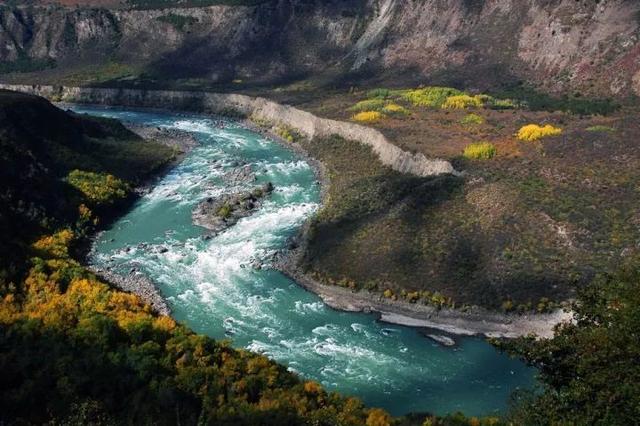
pixel 589 47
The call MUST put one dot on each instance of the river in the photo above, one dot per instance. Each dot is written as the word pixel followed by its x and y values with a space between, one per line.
pixel 211 286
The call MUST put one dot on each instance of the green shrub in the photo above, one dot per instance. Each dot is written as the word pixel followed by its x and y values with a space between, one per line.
pixel 503 104
pixel 600 128
pixel 224 211
pixel 472 119
pixel 480 151
pixel 287 133
pixel 369 105
pixel 378 93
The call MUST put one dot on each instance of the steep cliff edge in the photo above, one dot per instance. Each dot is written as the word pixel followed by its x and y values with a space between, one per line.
pixel 562 46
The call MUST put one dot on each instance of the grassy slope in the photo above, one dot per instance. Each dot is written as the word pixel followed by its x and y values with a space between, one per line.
pixel 529 224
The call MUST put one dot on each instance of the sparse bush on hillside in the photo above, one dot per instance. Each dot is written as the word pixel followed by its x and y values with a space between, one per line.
pixel 472 119
pixel 287 133
pixel 462 102
pixel 600 128
pixel 395 110
pixel 533 132
pixel 502 104
pixel 369 105
pixel 432 97
pixel 480 151
pixel 260 122
pixel 529 97
pixel 368 116
pixel 378 93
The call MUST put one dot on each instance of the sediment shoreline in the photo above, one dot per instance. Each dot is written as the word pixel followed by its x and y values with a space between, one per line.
pixel 475 321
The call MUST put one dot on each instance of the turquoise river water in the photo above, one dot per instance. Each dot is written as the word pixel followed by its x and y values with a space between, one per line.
pixel 211 286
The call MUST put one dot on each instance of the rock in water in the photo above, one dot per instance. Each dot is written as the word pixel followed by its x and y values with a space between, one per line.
pixel 240 175
pixel 443 340
pixel 217 214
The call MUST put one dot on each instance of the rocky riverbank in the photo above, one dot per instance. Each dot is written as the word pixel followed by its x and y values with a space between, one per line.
pixel 137 283
pixel 473 321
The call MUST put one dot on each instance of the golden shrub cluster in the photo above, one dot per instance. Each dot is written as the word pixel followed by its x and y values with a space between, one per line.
pixel 101 188
pixel 534 132
pixel 462 102
pixel 395 109
pixel 368 116
pixel 480 151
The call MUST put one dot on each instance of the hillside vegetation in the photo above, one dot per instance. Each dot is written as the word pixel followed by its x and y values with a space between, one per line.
pixel 519 232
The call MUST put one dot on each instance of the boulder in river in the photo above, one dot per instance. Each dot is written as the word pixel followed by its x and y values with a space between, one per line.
pixel 443 340
pixel 217 214
pixel 240 175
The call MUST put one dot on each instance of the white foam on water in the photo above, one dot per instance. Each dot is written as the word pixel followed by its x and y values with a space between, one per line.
pixel 197 126
pixel 304 308
pixel 286 168
pixel 358 328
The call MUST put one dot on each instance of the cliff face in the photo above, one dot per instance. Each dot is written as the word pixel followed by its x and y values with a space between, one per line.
pixel 586 46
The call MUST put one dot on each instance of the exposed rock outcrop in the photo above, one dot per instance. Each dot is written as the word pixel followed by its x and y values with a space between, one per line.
pixel 217 214
pixel 137 283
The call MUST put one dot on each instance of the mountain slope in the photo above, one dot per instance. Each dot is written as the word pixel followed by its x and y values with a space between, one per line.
pixel 39 146
pixel 590 47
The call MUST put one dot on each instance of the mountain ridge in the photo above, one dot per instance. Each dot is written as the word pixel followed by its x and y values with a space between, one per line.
pixel 581 48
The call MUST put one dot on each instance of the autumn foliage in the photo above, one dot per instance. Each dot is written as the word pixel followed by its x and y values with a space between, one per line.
pixel 101 188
